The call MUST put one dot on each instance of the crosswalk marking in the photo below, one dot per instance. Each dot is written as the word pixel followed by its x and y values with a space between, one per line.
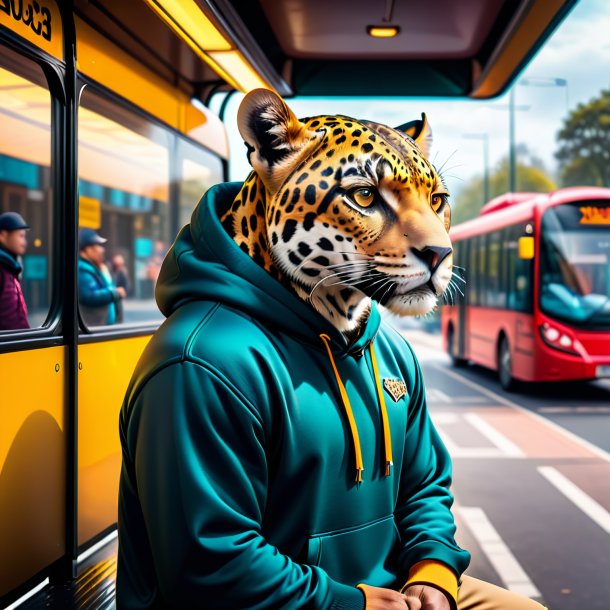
pixel 434 395
pixel 496 438
pixel 500 556
pixel 502 446
pixel 577 496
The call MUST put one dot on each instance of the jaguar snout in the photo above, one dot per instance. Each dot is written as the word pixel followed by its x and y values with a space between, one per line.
pixel 432 256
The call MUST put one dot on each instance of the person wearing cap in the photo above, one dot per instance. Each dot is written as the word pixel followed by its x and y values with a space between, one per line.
pixel 97 294
pixel 13 243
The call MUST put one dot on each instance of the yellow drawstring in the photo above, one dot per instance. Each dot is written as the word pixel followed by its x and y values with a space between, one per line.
pixel 387 438
pixel 348 410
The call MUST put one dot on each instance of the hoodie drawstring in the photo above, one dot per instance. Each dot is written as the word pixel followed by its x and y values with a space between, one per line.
pixel 387 438
pixel 348 409
pixel 350 415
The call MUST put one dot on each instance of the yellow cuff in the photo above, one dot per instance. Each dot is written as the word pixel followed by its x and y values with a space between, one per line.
pixel 434 573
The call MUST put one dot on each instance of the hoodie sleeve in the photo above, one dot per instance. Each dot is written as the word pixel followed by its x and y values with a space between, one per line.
pixel 423 513
pixel 197 451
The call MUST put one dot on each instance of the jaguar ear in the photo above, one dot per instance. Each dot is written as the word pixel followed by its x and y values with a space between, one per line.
pixel 273 134
pixel 420 132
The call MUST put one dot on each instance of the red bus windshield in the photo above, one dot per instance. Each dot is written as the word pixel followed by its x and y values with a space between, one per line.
pixel 575 263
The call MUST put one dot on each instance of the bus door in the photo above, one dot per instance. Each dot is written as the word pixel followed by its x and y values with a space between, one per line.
pixel 462 254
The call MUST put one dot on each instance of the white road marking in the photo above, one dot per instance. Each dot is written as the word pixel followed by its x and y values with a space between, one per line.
pixel 586 503
pixel 444 418
pixel 500 556
pixel 97 546
pixel 469 399
pixel 434 395
pixel 598 409
pixel 503 447
pixel 29 594
pixel 496 438
pixel 604 455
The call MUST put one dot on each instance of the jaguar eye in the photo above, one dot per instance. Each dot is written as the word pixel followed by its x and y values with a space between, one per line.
pixel 439 200
pixel 364 197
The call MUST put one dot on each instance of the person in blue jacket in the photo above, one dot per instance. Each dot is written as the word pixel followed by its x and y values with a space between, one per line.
pixel 98 297
pixel 277 449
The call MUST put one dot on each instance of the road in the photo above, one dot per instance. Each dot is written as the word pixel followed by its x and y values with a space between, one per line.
pixel 531 479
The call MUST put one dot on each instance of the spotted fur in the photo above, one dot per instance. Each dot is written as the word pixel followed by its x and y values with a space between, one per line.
pixel 342 211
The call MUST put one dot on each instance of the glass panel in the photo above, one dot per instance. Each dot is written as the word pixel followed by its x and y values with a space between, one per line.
pixel 200 170
pixel 25 190
pixel 519 272
pixel 123 212
pixel 575 263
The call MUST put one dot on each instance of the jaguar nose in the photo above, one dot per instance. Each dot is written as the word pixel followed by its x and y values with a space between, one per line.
pixel 432 256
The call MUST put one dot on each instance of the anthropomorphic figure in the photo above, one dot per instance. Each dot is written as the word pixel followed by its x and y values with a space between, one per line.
pixel 277 449
pixel 13 244
pixel 97 294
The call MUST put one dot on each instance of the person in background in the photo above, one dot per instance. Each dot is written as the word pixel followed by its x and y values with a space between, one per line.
pixel 13 243
pixel 97 295
pixel 120 277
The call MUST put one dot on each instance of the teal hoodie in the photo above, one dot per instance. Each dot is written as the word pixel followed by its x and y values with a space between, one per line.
pixel 238 487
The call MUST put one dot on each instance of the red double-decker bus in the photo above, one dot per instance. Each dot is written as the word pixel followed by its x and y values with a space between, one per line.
pixel 536 303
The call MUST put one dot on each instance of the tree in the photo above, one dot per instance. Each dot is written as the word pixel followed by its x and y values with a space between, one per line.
pixel 584 144
pixel 530 178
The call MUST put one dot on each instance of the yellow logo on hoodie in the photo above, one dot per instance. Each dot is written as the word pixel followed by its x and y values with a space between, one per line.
pixel 396 388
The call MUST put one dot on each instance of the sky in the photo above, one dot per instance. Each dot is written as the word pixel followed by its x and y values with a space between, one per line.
pixel 578 52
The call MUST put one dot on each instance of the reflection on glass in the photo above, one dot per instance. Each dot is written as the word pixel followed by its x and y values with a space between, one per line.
pixel 575 264
pixel 123 197
pixel 25 189
pixel 200 171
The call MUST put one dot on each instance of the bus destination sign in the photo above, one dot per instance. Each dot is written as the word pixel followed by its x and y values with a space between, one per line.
pixel 38 21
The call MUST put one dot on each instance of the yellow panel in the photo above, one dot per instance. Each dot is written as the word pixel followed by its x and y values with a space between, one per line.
pixel 102 381
pixel 526 248
pixel 38 22
pixel 115 69
pixel 89 212
pixel 32 463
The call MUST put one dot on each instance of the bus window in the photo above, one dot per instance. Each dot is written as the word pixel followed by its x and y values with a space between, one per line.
pixel 481 270
pixel 495 293
pixel 471 274
pixel 519 273
pixel 199 171
pixel 124 216
pixel 25 193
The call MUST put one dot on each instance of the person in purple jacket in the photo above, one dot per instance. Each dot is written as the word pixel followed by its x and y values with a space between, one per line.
pixel 13 243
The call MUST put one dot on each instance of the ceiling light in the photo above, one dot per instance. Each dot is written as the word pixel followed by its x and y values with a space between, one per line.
pixel 383 31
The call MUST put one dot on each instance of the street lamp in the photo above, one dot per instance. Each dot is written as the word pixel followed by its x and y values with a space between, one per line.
pixel 484 137
pixel 526 82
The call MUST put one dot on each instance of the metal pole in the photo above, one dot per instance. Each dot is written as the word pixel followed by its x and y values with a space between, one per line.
pixel 512 161
pixel 486 167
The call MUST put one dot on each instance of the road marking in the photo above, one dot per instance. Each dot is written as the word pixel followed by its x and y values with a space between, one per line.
pixel 507 447
pixel 573 410
pixel 29 594
pixel 434 395
pixel 586 503
pixel 469 399
pixel 503 448
pixel 604 455
pixel 500 556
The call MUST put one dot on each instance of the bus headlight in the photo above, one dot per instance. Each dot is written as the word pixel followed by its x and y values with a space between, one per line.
pixel 557 339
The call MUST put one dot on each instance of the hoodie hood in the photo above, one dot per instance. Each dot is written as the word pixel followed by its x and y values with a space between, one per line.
pixel 204 263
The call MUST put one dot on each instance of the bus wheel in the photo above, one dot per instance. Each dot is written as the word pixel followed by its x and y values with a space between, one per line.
pixel 455 359
pixel 505 367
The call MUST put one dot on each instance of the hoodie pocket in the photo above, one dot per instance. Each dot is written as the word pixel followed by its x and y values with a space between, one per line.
pixel 366 553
